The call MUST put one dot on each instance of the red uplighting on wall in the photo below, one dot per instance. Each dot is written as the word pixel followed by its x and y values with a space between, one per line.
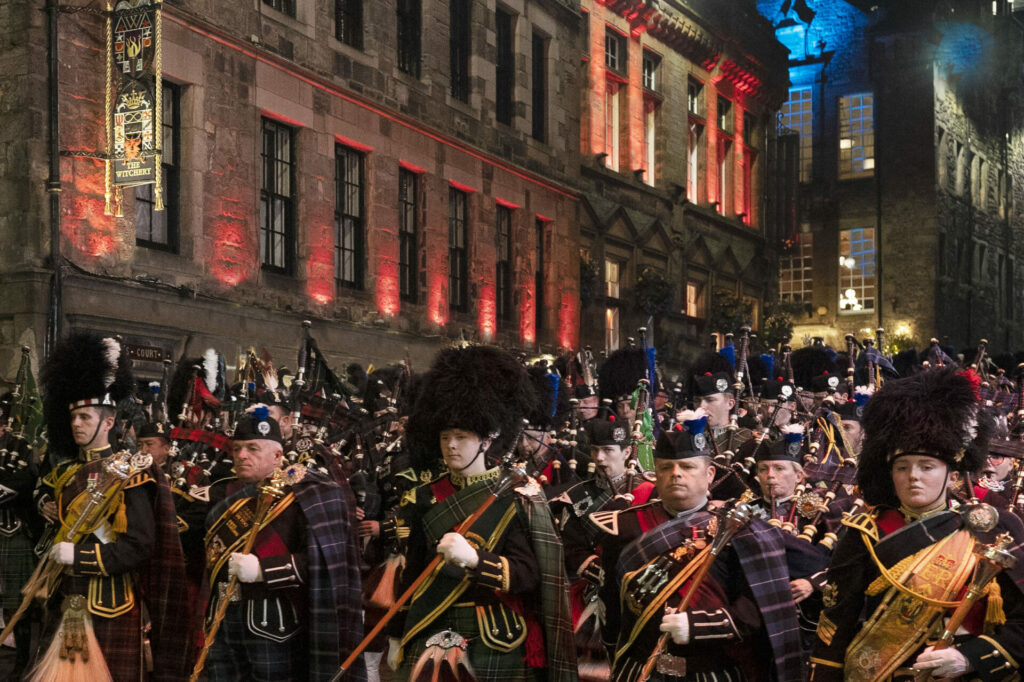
pixel 487 311
pixel 437 298
pixel 528 314
pixel 388 300
pixel 232 250
pixel 568 320
pixel 320 266
pixel 85 225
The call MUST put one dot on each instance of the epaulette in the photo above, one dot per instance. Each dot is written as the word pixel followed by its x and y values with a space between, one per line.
pixel 408 474
pixel 139 478
pixel 421 493
pixel 606 521
pixel 865 523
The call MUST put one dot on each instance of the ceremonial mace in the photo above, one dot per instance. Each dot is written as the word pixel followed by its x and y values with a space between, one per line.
pixel 991 560
pixel 271 490
pixel 513 476
pixel 737 518
pixel 90 508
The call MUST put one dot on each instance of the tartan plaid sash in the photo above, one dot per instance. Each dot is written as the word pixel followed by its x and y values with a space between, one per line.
pixel 762 556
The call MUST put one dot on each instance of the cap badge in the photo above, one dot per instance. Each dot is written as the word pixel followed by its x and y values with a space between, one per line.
pixel 721 385
pixel 786 391
pixel 793 449
pixel 860 411
pixel 619 433
pixel 833 382
pixel 700 441
pixel 263 428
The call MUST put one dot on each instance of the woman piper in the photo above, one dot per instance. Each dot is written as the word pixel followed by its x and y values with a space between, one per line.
pixel 497 607
pixel 906 562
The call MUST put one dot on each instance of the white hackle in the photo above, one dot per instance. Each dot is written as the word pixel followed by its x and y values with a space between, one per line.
pixel 112 354
pixel 211 364
pixel 690 415
pixel 792 428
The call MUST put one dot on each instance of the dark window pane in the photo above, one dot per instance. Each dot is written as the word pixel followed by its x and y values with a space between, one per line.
pixel 505 68
pixel 277 214
pixel 409 21
pixel 159 229
pixel 457 255
pixel 349 229
pixel 283 6
pixel 459 48
pixel 408 229
pixel 503 277
pixel 348 22
pixel 539 85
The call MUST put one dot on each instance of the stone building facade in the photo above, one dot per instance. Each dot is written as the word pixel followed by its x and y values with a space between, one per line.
pixel 400 172
pixel 911 154
pixel 677 137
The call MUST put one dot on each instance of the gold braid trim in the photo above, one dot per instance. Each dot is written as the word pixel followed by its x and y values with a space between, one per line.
pixel 887 575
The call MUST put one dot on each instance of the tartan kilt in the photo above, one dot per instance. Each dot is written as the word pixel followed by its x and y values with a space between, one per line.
pixel 17 561
pixel 488 664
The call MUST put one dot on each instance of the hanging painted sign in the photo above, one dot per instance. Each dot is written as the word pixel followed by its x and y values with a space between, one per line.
pixel 133 103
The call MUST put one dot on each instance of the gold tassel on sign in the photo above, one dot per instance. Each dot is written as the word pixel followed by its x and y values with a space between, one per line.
pixel 108 118
pixel 158 114
pixel 74 653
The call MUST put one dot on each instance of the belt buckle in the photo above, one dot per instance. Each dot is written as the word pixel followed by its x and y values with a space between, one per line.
pixel 672 665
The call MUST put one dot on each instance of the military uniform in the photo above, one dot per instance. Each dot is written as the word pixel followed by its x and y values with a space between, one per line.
pixel 130 565
pixel 302 618
pixel 739 618
pixel 904 568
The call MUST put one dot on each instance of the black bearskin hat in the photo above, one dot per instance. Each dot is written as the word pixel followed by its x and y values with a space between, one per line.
pixel 619 374
pixel 481 389
pixel 551 397
pixel 84 369
pixel 934 413
pixel 811 362
pixel 211 372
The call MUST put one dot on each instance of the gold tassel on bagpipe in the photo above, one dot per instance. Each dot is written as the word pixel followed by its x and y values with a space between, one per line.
pixel 994 614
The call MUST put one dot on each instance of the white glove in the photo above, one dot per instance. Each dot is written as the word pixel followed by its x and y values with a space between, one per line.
pixel 677 625
pixel 394 645
pixel 63 553
pixel 943 662
pixel 456 550
pixel 245 567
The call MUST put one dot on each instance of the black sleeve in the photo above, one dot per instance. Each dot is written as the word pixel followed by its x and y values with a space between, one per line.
pixel 131 548
pixel 997 656
pixel 515 569
pixel 848 575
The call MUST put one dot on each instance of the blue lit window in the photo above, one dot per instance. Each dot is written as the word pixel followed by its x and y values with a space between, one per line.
pixel 798 116
pixel 856 136
pixel 857 270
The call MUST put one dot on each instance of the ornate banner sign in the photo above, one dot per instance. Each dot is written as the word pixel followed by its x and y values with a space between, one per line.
pixel 133 106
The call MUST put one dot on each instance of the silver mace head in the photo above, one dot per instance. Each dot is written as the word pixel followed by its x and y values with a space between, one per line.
pixel 736 518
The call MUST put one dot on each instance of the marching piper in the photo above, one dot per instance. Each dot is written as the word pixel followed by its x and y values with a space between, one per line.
pixel 121 556
pixel 905 563
pixel 498 604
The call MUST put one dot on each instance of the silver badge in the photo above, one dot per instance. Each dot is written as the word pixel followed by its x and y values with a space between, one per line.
pixel 700 441
pixel 833 382
pixel 263 428
pixel 304 445
pixel 860 411
pixel 794 449
pixel 722 385
pixel 786 391
pixel 619 433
